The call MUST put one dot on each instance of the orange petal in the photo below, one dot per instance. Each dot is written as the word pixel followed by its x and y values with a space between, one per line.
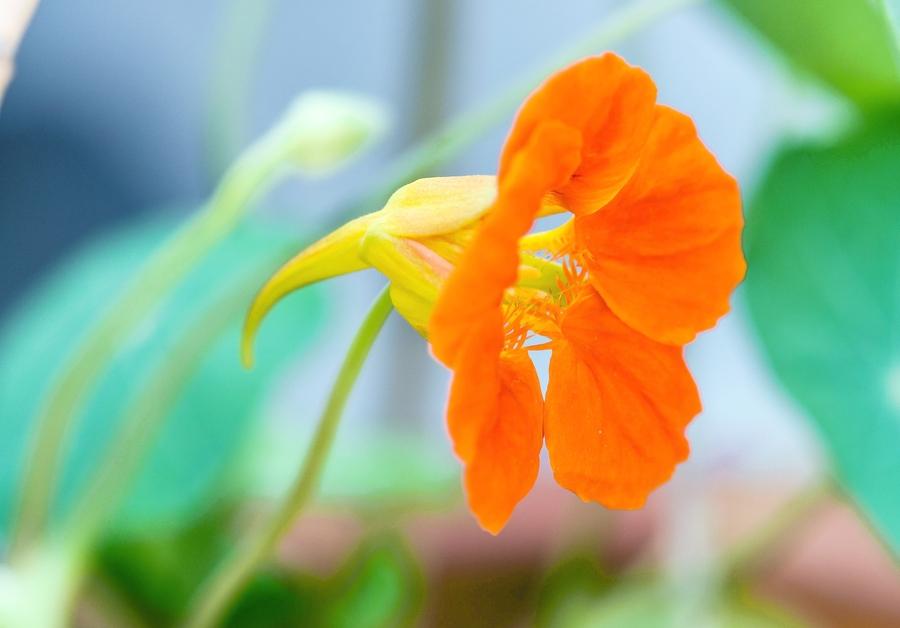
pixel 494 411
pixel 617 405
pixel 474 290
pixel 475 387
pixel 665 253
pixel 611 104
pixel 505 463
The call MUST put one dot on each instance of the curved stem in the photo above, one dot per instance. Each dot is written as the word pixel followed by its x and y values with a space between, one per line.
pixel 147 411
pixel 219 592
pixel 256 169
pixel 242 28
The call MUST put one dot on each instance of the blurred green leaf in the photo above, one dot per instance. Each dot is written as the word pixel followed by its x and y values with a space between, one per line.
pixel 650 604
pixel 379 586
pixel 392 467
pixel 849 44
pixel 277 598
pixel 823 288
pixel 571 584
pixel 210 421
pixel 156 573
pixel 383 468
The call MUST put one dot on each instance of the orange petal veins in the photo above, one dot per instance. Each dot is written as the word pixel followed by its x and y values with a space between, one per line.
pixel 474 290
pixel 665 253
pixel 617 405
pixel 611 104
pixel 505 463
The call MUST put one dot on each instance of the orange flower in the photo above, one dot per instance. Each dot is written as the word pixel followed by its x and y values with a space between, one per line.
pixel 648 261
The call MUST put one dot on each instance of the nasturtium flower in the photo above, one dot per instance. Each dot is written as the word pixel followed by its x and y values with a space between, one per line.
pixel 647 259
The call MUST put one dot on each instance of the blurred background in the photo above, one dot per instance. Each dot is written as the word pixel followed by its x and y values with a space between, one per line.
pixel 120 121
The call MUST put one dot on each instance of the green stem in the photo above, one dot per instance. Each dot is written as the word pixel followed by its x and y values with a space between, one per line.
pixel 136 432
pixel 147 411
pixel 256 169
pixel 218 594
pixel 242 27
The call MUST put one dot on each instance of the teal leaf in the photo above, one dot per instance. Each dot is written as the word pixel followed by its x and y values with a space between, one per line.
pixel 848 44
pixel 823 289
pixel 209 422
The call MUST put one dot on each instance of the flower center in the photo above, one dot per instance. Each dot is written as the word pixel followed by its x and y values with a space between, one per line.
pixel 533 307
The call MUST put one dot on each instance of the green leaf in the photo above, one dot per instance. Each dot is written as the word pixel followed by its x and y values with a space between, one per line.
pixel 569 586
pixel 210 421
pixel 823 289
pixel 371 468
pixel 157 573
pixel 849 44
pixel 651 604
pixel 277 598
pixel 380 585
pixel 157 576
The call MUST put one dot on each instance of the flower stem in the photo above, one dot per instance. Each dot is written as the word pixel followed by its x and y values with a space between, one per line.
pixel 219 592
pixel 242 26
pixel 145 414
pixel 255 170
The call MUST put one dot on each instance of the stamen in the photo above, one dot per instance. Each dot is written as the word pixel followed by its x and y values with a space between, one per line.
pixel 534 306
pixel 528 312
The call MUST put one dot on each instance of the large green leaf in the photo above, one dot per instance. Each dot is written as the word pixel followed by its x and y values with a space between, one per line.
pixel 849 44
pixel 210 420
pixel 824 293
